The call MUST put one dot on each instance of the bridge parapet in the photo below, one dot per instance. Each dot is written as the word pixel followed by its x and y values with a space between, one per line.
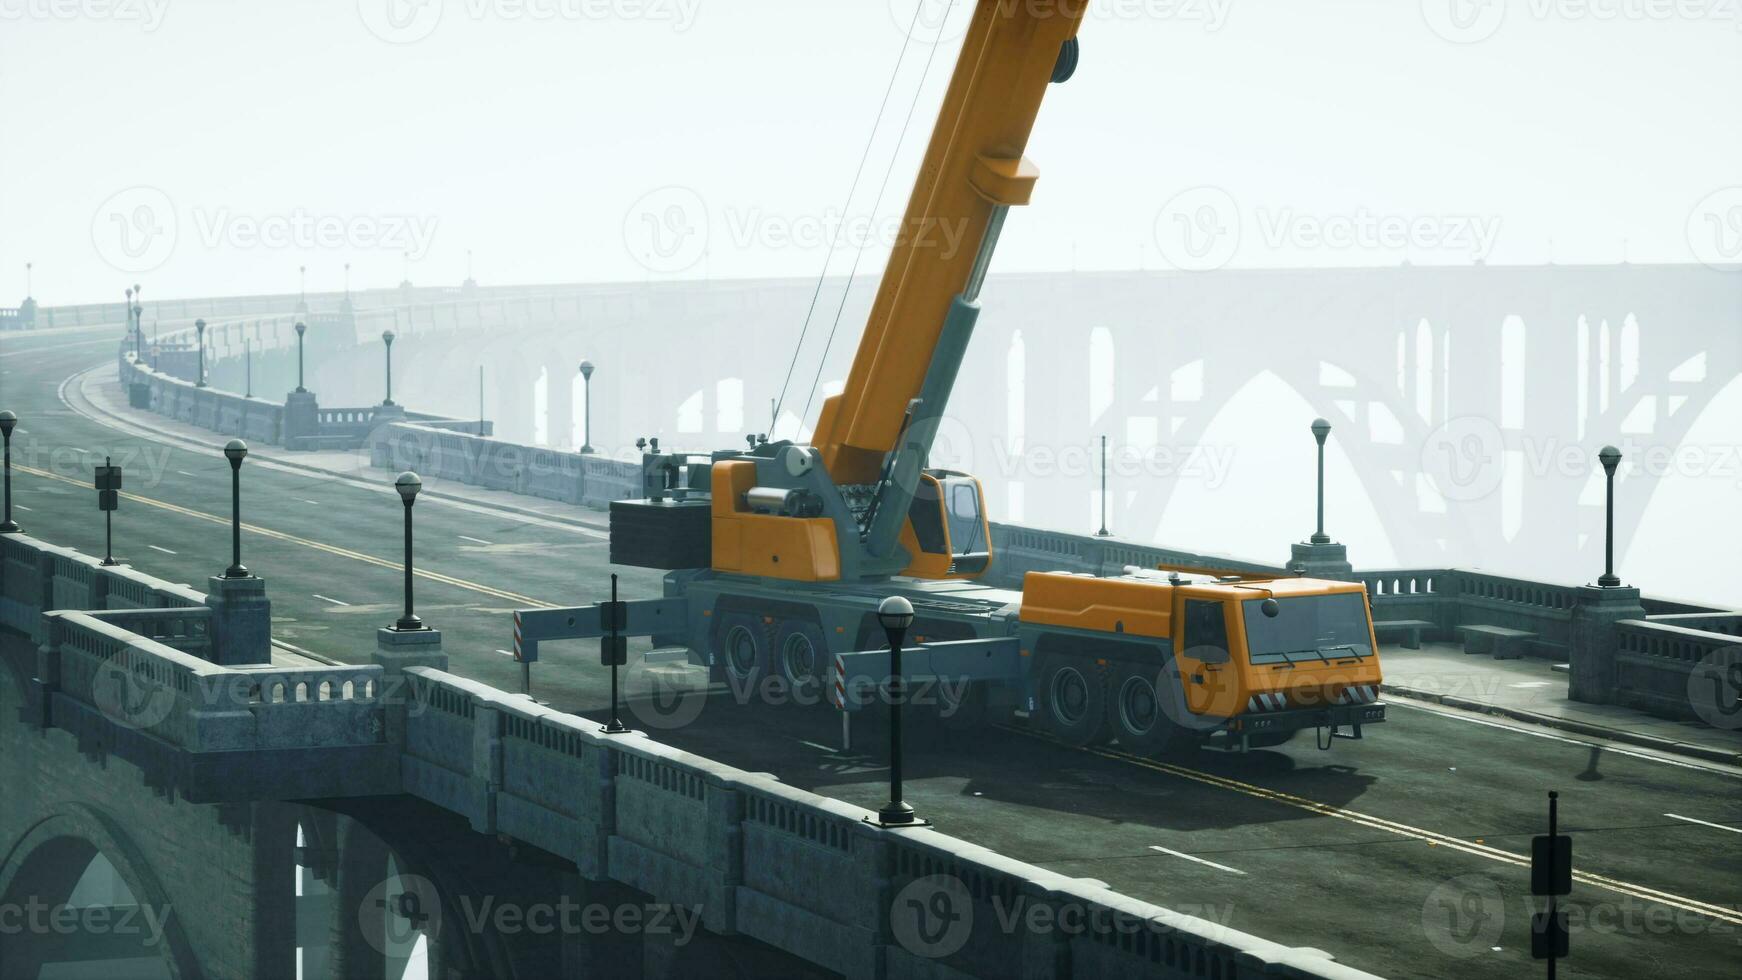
pixel 798 871
pixel 196 706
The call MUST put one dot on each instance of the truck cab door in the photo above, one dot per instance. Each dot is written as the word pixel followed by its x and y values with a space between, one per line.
pixel 1205 657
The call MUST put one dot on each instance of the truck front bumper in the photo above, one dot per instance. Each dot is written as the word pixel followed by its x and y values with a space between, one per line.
pixel 1294 719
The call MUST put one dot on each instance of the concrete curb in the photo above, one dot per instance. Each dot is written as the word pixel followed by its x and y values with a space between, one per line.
pixel 1702 752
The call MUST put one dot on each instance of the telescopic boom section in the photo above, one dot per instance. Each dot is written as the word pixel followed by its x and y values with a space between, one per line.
pixel 973 170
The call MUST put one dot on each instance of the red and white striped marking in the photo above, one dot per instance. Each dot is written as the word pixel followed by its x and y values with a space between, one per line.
pixel 1269 701
pixel 838 692
pixel 1359 694
pixel 517 635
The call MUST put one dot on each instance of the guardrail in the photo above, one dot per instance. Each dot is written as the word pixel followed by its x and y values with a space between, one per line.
pixel 254 419
pixel 199 707
pixel 798 871
pixel 36 576
pixel 464 457
pixel 1656 668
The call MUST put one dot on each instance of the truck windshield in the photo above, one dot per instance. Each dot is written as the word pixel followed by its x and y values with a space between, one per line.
pixel 1312 628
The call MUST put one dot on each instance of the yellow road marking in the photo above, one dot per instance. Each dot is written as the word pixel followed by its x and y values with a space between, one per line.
pixel 267 532
pixel 1476 849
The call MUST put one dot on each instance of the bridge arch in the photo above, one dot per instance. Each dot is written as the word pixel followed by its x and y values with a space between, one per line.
pixel 45 866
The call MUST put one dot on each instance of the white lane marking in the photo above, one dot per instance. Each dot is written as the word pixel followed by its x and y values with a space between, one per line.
pixel 21 507
pixel 1532 684
pixel 156 548
pixel 82 452
pixel 506 653
pixel 308 501
pixel 468 537
pixel 1462 714
pixel 1197 860
pixel 824 748
pixel 335 602
pixel 1704 823
pixel 183 473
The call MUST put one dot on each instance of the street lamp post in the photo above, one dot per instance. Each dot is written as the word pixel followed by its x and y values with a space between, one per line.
pixel 127 310
pixel 248 364
pixel 896 615
pixel 1103 532
pixel 235 451
pixel 7 422
pixel 301 328
pixel 587 399
pixel 1610 457
pixel 408 485
pixel 200 332
pixel 387 339
pixel 1321 429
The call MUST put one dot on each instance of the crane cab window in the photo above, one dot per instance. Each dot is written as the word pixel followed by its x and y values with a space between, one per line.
pixel 963 500
pixel 1206 631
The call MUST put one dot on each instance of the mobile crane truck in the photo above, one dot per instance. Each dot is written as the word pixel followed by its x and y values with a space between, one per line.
pixel 779 554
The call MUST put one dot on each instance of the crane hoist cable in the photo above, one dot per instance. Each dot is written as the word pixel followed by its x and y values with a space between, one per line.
pixel 906 124
pixel 870 140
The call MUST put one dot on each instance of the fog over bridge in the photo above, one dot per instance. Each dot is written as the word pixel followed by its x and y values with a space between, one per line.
pixel 1468 403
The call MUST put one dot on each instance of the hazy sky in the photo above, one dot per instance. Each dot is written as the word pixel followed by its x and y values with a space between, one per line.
pixel 210 146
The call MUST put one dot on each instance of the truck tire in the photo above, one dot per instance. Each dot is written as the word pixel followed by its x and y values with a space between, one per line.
pixel 802 661
pixel 1071 699
pixel 1140 722
pixel 742 650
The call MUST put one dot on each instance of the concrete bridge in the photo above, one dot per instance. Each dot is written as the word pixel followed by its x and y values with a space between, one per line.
pixel 373 798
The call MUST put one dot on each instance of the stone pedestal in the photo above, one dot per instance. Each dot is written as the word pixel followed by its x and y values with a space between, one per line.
pixel 1593 640
pixel 241 620
pixel 388 412
pixel 396 650
pixel 1321 560
pixel 302 418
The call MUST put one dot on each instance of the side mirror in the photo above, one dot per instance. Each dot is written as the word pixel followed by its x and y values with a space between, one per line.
pixel 1271 608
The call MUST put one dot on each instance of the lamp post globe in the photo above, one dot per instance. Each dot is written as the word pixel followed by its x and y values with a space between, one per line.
pixel 895 615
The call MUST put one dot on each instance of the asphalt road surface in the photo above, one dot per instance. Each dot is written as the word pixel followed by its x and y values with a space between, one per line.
pixel 1402 854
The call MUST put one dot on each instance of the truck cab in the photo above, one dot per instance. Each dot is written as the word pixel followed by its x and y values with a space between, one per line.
pixel 1159 661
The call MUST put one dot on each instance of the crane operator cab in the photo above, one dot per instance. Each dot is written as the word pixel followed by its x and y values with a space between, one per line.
pixel 947 532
